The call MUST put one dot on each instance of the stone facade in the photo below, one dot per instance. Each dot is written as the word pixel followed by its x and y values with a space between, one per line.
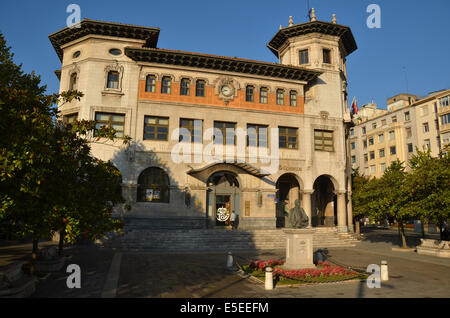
pixel 121 72
pixel 408 122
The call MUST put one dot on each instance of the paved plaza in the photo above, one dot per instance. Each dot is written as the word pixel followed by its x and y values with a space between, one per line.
pixel 121 274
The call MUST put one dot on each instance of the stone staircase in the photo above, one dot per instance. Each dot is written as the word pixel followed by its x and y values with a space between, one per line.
pixel 220 240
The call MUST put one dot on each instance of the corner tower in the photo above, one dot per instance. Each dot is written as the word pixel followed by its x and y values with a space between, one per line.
pixel 321 46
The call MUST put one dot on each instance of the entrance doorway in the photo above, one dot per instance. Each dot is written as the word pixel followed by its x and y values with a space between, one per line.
pixel 324 205
pixel 288 191
pixel 223 199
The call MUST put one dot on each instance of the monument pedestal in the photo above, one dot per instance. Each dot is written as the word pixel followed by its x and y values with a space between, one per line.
pixel 299 249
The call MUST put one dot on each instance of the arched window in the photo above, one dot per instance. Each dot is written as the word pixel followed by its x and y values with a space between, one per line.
pixel 113 80
pixel 249 94
pixel 280 97
pixel 153 186
pixel 263 95
pixel 166 85
pixel 150 84
pixel 73 82
pixel 293 98
pixel 200 88
pixel 185 85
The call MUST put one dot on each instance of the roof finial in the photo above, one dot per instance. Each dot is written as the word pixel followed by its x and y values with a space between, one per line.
pixel 313 15
pixel 291 22
pixel 281 26
pixel 334 19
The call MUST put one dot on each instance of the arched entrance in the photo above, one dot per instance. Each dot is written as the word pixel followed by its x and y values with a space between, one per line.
pixel 288 191
pixel 223 197
pixel 324 203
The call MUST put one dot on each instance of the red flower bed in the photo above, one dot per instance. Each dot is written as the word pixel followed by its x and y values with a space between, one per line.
pixel 324 269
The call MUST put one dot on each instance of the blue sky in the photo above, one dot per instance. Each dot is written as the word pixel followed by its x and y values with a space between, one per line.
pixel 414 35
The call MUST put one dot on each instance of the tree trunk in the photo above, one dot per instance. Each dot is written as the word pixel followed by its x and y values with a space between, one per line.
pixel 35 251
pixel 62 234
pixel 422 227
pixel 357 229
pixel 402 232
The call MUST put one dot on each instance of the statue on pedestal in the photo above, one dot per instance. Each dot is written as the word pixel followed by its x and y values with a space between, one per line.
pixel 297 217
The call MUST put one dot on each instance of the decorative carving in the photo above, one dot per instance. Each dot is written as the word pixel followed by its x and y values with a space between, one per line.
pixel 115 67
pixel 324 114
pixel 226 88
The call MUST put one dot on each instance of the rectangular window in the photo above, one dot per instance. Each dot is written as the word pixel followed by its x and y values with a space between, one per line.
pixel 150 84
pixel 383 167
pixel 392 135
pixel 407 116
pixel 394 119
pixel 393 150
pixel 426 128
pixel 224 133
pixel 353 159
pixel 323 140
pixel 288 137
pixel 166 85
pixel 383 122
pixel 327 56
pixel 381 138
pixel 427 144
pixel 363 130
pixel 382 153
pixel 366 157
pixel 352 145
pixel 249 94
pixel 364 144
pixel 444 101
pixel 371 142
pixel 263 93
pixel 372 155
pixel 410 148
pixel 257 135
pixel 352 132
pixel 280 97
pixel 373 169
pixel 156 128
pixel 70 119
pixel 374 126
pixel 113 121
pixel 304 58
pixel 192 129
pixel 408 132
pixel 445 119
pixel 200 88
pixel 113 80
pixel 185 87
pixel 293 98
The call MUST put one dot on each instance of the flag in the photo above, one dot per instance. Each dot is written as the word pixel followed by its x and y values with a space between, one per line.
pixel 354 106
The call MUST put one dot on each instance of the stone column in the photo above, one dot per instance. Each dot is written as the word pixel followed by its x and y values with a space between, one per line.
pixel 306 204
pixel 349 212
pixel 341 212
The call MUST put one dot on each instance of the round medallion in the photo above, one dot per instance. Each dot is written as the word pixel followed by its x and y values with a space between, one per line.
pixel 222 214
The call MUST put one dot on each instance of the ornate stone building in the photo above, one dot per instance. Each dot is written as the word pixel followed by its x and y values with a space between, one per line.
pixel 294 115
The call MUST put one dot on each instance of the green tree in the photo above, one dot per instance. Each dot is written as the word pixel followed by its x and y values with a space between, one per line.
pixel 428 187
pixel 48 179
pixel 360 199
